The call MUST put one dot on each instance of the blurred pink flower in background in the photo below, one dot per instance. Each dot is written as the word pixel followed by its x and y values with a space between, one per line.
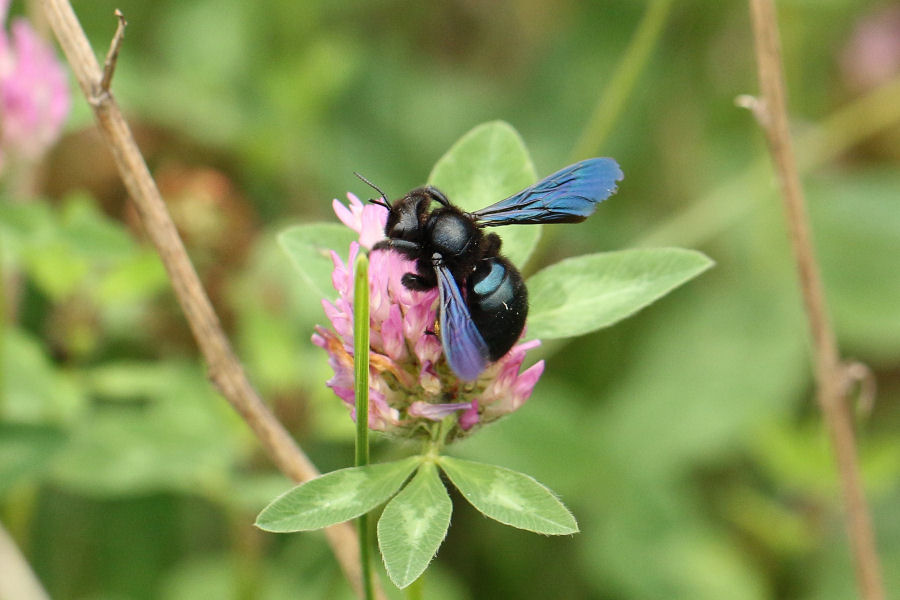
pixel 872 55
pixel 34 92
pixel 411 384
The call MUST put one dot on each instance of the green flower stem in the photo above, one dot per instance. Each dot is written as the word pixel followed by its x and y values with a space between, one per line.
pixel 439 436
pixel 361 364
pixel 622 83
pixel 614 97
pixel 361 358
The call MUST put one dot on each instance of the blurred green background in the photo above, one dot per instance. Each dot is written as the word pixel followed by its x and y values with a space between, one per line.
pixel 685 439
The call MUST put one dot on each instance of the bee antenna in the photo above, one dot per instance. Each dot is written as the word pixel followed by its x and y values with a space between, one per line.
pixel 383 201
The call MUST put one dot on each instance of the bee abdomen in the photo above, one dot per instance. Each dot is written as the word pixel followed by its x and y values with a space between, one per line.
pixel 498 302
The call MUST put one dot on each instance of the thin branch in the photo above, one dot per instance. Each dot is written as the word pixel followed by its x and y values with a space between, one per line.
pixel 225 371
pixel 831 375
pixel 109 65
pixel 18 580
pixel 614 97
pixel 623 79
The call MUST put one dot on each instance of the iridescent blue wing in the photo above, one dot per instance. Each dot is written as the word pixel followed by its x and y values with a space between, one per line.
pixel 465 349
pixel 568 196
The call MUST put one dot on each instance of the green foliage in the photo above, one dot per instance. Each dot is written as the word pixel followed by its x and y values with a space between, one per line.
pixel 161 429
pixel 335 497
pixel 308 247
pixel 78 249
pixel 509 497
pixel 582 294
pixel 33 390
pixel 277 312
pixel 25 450
pixel 415 521
pixel 857 221
pixel 413 525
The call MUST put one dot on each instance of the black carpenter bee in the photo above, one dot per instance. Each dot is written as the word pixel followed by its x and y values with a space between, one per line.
pixel 484 301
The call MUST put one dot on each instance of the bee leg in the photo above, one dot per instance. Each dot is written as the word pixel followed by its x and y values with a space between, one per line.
pixel 431 193
pixel 404 247
pixel 417 282
pixel 437 195
pixel 490 246
pixel 423 279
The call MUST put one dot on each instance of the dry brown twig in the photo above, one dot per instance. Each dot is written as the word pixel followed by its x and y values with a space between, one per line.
pixel 225 371
pixel 18 580
pixel 831 374
pixel 109 65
